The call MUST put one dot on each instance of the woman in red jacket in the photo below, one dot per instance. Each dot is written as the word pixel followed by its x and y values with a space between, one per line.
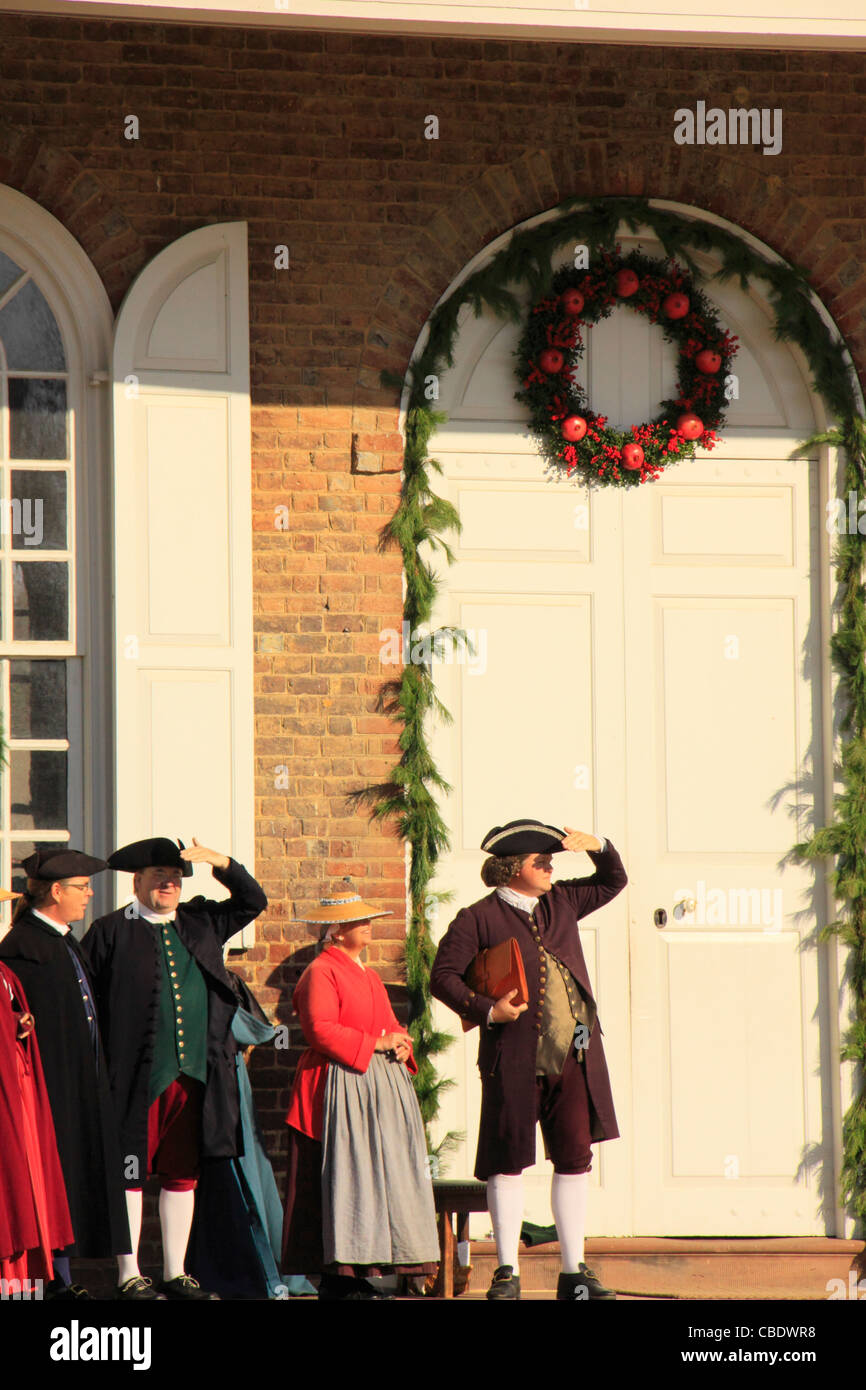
pixel 359 1200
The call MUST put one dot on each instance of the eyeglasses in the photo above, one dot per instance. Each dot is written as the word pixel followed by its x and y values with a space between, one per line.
pixel 82 887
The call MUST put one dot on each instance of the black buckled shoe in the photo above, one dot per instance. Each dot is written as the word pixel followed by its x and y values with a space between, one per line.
pixel 65 1292
pixel 183 1286
pixel 580 1288
pixel 506 1284
pixel 138 1290
pixel 338 1288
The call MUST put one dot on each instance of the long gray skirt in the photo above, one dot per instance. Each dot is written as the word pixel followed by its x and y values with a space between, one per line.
pixel 377 1197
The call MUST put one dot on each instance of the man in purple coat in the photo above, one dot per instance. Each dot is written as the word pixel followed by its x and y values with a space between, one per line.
pixel 542 1062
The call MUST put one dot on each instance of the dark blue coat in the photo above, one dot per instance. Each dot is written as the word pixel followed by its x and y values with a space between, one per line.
pixel 507 1051
pixel 125 959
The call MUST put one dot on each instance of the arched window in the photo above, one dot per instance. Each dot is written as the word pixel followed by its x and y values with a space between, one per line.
pixel 39 693
pixel 55 543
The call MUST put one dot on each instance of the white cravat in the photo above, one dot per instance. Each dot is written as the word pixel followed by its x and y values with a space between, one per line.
pixel 149 916
pixel 61 928
pixel 522 901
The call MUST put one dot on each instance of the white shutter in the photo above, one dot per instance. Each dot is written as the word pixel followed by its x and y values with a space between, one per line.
pixel 183 551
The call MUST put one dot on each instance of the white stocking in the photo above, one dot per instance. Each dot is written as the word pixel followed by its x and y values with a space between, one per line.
pixel 127 1265
pixel 505 1204
pixel 568 1193
pixel 175 1220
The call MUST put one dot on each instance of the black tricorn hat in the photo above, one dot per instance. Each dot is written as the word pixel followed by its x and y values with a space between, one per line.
pixel 155 853
pixel 525 836
pixel 51 864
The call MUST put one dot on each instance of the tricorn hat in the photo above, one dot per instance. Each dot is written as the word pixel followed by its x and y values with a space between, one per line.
pixel 525 836
pixel 51 864
pixel 155 853
pixel 343 907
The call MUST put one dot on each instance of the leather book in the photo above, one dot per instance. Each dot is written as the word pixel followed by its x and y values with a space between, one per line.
pixel 495 972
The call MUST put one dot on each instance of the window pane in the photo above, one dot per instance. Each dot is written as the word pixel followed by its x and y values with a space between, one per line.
pixel 22 849
pixel 37 516
pixel 40 601
pixel 38 411
pixel 37 692
pixel 30 333
pixel 38 788
pixel 9 272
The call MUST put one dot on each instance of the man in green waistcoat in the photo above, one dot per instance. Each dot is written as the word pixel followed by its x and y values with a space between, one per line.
pixel 167 1002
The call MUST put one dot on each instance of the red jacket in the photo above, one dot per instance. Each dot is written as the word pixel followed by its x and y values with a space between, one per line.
pixel 343 1010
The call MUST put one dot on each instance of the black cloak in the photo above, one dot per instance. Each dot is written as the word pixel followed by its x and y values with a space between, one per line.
pixel 78 1090
pixel 125 960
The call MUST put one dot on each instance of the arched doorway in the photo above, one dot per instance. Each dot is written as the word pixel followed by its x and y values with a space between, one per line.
pixel 668 646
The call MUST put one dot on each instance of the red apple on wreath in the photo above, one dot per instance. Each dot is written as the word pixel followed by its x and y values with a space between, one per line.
pixel 676 306
pixel 627 282
pixel 708 361
pixel 632 455
pixel 572 303
pixel 573 428
pixel 690 426
pixel 551 361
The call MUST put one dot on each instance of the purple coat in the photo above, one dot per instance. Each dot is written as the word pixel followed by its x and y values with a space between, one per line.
pixel 506 1052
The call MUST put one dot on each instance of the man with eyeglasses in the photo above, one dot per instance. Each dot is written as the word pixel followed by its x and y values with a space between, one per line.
pixel 42 951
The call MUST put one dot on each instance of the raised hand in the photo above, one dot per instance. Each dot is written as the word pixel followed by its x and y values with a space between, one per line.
pixel 199 854
pixel 580 839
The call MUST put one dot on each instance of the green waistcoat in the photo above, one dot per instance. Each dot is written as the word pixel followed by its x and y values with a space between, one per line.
pixel 181 1033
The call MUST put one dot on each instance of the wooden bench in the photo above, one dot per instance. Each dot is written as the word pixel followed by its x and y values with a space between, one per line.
pixel 455 1199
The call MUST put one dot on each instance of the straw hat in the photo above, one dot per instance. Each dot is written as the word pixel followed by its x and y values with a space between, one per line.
pixel 346 906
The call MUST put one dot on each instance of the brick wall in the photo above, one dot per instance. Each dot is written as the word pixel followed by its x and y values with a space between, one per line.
pixel 317 141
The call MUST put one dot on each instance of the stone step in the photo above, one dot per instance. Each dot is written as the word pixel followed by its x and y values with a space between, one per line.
pixel 669 1267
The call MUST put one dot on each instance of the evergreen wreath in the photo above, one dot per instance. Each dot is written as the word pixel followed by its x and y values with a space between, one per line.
pixel 422 517
pixel 570 434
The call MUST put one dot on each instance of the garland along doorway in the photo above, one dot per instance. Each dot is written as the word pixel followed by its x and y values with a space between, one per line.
pixel 692 528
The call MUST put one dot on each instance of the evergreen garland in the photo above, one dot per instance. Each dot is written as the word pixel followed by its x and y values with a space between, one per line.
pixel 422 516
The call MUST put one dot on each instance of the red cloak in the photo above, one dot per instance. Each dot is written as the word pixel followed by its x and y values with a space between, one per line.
pixel 34 1216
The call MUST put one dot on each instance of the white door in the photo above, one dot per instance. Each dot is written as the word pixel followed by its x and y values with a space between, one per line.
pixel 183 557
pixel 665 646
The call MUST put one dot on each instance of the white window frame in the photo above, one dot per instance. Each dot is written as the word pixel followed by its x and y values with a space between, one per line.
pixel 42 246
